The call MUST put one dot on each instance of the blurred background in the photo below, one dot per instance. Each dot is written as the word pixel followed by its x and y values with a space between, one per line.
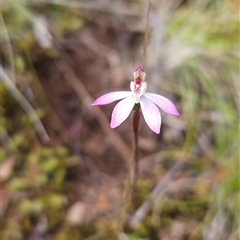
pixel 64 170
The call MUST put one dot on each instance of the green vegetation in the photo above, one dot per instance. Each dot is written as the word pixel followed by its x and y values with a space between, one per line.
pixel 200 70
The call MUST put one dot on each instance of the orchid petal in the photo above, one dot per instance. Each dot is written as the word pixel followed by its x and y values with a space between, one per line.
pixel 151 114
pixel 121 111
pixel 111 97
pixel 132 86
pixel 164 103
pixel 143 88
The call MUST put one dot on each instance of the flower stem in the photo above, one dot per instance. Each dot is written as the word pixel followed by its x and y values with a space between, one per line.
pixel 136 119
pixel 146 33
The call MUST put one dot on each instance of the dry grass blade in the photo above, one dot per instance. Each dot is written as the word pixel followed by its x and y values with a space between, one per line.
pixel 215 228
pixel 104 6
pixel 8 48
pixel 7 82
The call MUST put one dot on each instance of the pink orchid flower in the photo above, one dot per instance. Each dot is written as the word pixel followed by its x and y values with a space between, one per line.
pixel 137 95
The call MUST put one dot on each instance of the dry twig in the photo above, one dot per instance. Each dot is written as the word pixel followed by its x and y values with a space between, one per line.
pixel 84 95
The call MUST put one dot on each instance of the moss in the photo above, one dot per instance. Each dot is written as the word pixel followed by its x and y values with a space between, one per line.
pixel 142 192
pixel 194 209
pixel 19 63
pixel 26 223
pixel 18 183
pixel 61 152
pixel 59 176
pixel 21 141
pixel 108 227
pixel 54 200
pixel 141 230
pixel 54 217
pixel 30 206
pixel 68 232
pixel 46 153
pixel 12 231
pixel 50 165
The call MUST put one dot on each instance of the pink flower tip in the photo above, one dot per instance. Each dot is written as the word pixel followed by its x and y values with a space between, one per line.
pixel 94 103
pixel 139 73
pixel 139 69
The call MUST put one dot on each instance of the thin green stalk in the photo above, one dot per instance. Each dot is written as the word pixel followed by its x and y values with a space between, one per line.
pixel 146 33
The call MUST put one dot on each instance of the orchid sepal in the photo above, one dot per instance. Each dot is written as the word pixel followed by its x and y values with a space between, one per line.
pixel 149 103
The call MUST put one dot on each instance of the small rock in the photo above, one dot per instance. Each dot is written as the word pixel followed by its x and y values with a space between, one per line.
pixel 6 168
pixel 75 214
